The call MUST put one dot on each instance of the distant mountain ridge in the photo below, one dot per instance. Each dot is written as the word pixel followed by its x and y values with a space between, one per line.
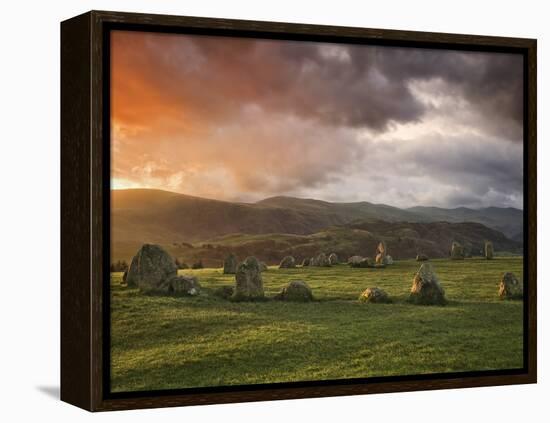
pixel 144 215
pixel 507 220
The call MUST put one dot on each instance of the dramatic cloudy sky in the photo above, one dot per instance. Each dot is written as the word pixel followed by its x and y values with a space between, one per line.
pixel 243 119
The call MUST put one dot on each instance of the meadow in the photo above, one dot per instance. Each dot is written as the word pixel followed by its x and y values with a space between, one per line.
pixel 161 342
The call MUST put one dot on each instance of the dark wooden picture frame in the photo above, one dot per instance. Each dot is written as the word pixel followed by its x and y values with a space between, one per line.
pixel 85 208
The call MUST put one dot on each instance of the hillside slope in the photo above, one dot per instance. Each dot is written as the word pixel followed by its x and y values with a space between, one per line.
pixel 509 221
pixel 161 216
pixel 280 225
pixel 403 240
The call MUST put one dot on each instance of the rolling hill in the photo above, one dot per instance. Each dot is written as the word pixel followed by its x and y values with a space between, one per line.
pixel 172 219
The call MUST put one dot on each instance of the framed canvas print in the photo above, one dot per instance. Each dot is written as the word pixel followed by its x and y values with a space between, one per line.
pixel 256 211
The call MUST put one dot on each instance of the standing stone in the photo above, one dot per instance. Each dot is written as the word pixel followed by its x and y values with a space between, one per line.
pixel 388 260
pixel 362 262
pixel 510 287
pixel 457 251
pixel 295 291
pixel 333 259
pixel 489 251
pixel 249 284
pixel 426 288
pixel 354 261
pixel 150 267
pixel 124 276
pixel 381 252
pixel 321 260
pixel 287 263
pixel 366 262
pixel 230 265
pixel 180 285
pixel 224 291
pixel 422 257
pixel 374 295
pixel 305 262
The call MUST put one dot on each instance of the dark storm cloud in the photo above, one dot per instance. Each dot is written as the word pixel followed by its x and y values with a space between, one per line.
pixel 349 85
pixel 316 119
pixel 487 172
pixel 491 83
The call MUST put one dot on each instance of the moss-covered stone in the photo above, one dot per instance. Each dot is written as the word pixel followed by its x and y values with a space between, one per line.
pixel 248 281
pixel 230 264
pixel 457 251
pixel 510 287
pixel 298 291
pixel 374 295
pixel 321 260
pixel 489 250
pixel 426 289
pixel 287 262
pixel 224 292
pixel 150 268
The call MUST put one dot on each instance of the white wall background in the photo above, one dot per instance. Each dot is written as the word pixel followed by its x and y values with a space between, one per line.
pixel 29 224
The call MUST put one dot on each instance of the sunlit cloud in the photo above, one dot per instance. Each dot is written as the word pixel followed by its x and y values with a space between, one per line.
pixel 244 119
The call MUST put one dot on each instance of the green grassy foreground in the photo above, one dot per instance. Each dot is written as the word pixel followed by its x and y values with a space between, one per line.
pixel 168 342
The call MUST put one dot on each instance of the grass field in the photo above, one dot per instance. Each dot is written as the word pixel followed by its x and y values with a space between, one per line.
pixel 168 342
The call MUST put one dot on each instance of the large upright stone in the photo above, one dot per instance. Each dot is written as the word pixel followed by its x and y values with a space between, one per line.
pixel 457 251
pixel 321 261
pixel 287 262
pixel 510 287
pixel 426 288
pixel 249 284
pixel 381 252
pixel 230 265
pixel 333 259
pixel 489 251
pixel 150 267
